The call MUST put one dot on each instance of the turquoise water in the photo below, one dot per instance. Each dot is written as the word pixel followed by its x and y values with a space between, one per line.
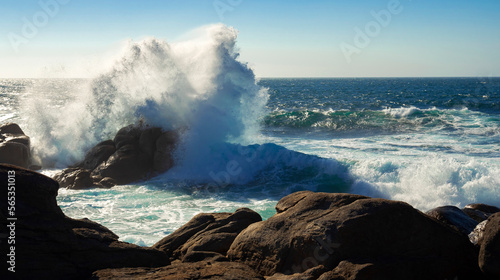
pixel 429 142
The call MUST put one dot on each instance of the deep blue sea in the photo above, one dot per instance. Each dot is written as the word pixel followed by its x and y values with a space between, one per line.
pixel 426 141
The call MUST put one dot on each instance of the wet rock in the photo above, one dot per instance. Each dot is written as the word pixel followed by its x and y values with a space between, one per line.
pixel 97 155
pixel 50 245
pixel 480 212
pixel 74 178
pixel 454 218
pixel 15 146
pixel 489 253
pixel 314 229
pixel 137 152
pixel 214 232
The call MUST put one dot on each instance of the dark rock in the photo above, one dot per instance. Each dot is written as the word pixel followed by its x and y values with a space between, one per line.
pixel 15 147
pixel 489 253
pixel 197 256
pixel 207 232
pixel 165 145
pixel 11 128
pixel 454 218
pixel 313 229
pixel 15 153
pixel 128 135
pixel 107 182
pixel 137 152
pixel 147 140
pixel 480 212
pixel 183 271
pixel 97 155
pixel 74 178
pixel 477 233
pixel 50 245
pixel 128 164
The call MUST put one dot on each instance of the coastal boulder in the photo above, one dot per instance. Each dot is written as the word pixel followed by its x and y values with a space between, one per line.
pixel 74 178
pixel 454 218
pixel 97 155
pixel 489 253
pixel 50 245
pixel 183 271
pixel 14 146
pixel 206 235
pixel 137 152
pixel 324 229
pixel 480 212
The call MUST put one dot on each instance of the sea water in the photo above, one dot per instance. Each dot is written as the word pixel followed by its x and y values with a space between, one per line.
pixel 248 142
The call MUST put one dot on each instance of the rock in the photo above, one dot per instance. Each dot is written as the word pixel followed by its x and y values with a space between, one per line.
pixel 128 164
pixel 480 212
pixel 165 146
pixel 183 271
pixel 489 253
pixel 74 178
pixel 15 147
pixel 50 245
pixel 477 233
pixel 97 155
pixel 310 274
pixel 147 140
pixel 453 217
pixel 314 229
pixel 213 232
pixel 137 152
pixel 11 128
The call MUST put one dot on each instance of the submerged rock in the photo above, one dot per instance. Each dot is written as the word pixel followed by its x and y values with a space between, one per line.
pixel 135 153
pixel 50 245
pixel 325 229
pixel 15 147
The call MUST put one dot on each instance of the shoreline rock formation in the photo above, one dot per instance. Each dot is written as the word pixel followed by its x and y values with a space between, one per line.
pixel 137 152
pixel 311 236
pixel 15 146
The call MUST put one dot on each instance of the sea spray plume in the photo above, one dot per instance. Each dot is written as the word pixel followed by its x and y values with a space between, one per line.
pixel 197 84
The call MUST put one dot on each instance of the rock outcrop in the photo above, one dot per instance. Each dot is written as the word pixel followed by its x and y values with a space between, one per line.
pixel 50 245
pixel 357 232
pixel 489 253
pixel 480 212
pixel 183 271
pixel 135 153
pixel 454 218
pixel 207 235
pixel 15 147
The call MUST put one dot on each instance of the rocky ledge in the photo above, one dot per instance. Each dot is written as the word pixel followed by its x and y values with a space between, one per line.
pixel 311 236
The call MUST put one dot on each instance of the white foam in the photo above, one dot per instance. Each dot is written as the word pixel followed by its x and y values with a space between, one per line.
pixel 198 83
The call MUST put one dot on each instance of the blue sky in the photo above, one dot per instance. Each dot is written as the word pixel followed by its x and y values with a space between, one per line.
pixel 277 38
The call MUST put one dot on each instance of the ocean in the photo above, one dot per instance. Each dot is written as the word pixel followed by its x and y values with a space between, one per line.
pixel 248 142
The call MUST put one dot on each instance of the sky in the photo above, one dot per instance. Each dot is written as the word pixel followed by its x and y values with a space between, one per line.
pixel 277 38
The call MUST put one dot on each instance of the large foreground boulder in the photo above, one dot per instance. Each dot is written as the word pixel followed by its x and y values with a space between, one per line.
pixel 14 146
pixel 137 152
pixel 207 235
pixel 489 254
pixel 49 245
pixel 376 238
